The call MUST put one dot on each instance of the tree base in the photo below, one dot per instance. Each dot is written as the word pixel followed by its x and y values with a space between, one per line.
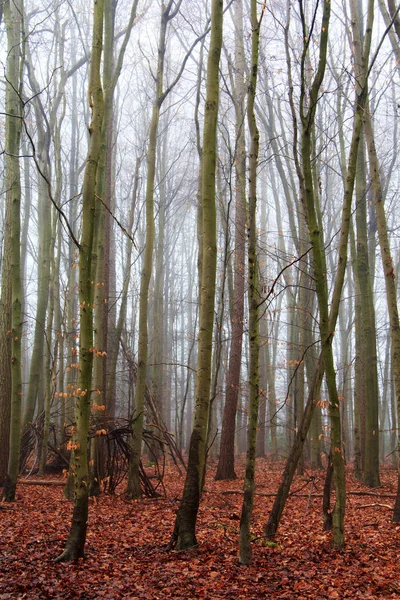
pixel 221 475
pixel 70 555
pixel 9 489
pixel 185 541
pixel 372 480
pixel 183 538
pixel 133 489
pixel 75 546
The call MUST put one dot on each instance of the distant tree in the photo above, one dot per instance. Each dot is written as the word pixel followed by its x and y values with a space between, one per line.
pixel 226 462
pixel 169 11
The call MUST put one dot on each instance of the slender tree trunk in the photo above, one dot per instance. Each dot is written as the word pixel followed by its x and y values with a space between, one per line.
pixel 100 312
pixel 158 375
pixel 388 270
pixel 245 551
pixel 291 464
pixel 133 487
pixel 316 238
pixel 75 544
pixel 100 272
pixel 5 343
pixel 184 531
pixel 226 463
pixel 367 331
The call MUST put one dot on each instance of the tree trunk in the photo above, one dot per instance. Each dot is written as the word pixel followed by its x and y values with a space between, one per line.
pixel 75 545
pixel 133 487
pixel 5 344
pixel 316 239
pixel 184 531
pixel 36 367
pixel 226 463
pixel 291 464
pixel 245 552
pixel 99 274
pixel 366 325
pixel 12 18
pixel 388 270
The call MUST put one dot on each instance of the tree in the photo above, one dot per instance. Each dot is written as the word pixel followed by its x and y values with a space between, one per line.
pixel 75 544
pixel 226 462
pixel 368 380
pixel 183 535
pixel 134 489
pixel 307 115
pixel 13 15
pixel 313 393
pixel 101 240
pixel 245 553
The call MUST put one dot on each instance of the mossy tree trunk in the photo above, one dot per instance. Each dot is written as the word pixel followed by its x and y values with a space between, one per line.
pixel 98 260
pixel 358 465
pixel 184 531
pixel 307 115
pixel 295 453
pixel 13 14
pixel 367 376
pixel 75 545
pixel 367 356
pixel 100 252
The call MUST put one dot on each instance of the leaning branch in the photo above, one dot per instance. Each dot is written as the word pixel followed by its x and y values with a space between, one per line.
pixel 54 203
pixel 123 229
pixel 271 289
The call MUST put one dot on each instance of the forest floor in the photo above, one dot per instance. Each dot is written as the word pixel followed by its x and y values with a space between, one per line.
pixel 126 553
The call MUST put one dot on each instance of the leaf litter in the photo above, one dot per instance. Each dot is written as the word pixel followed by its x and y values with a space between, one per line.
pixel 126 553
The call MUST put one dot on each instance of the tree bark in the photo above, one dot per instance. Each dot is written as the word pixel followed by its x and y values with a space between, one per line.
pixel 184 531
pixel 75 545
pixel 13 13
pixel 226 462
pixel 133 487
pixel 367 356
pixel 291 464
pixel 245 551
pixel 388 270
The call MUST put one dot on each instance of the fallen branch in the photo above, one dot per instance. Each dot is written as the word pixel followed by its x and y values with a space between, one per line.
pixel 41 482
pixel 374 494
pixel 273 494
pixel 375 504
